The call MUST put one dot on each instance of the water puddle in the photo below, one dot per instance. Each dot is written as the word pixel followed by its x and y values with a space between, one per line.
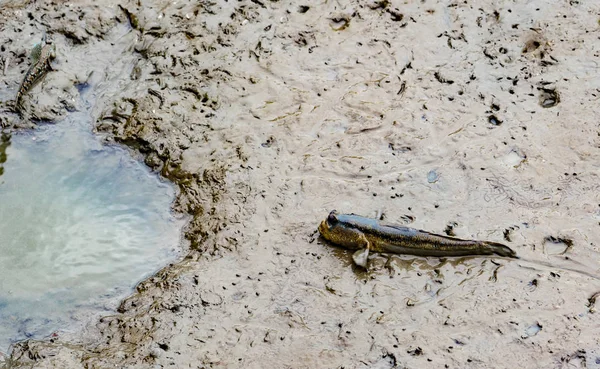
pixel 80 224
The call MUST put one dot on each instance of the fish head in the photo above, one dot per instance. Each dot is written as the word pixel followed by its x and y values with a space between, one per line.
pixel 329 223
pixel 335 231
pixel 49 50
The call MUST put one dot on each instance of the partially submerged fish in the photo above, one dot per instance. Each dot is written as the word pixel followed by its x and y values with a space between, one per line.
pixel 41 57
pixel 365 234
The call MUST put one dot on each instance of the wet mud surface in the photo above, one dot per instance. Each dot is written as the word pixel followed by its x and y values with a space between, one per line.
pixel 477 120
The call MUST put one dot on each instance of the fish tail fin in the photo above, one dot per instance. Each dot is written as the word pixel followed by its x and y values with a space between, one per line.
pixel 501 250
pixel 18 103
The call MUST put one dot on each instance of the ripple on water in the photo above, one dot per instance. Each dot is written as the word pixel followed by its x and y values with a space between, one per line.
pixel 80 225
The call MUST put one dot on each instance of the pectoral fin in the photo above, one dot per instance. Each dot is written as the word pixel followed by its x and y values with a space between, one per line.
pixel 360 257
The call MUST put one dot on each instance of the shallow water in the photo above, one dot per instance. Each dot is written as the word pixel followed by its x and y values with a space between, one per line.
pixel 80 223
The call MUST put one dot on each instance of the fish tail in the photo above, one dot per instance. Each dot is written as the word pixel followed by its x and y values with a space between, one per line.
pixel 18 101
pixel 500 249
pixel 18 105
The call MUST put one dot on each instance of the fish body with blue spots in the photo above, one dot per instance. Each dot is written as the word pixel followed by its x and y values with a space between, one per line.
pixel 365 234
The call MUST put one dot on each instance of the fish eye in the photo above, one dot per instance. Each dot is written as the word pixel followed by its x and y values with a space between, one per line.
pixel 332 219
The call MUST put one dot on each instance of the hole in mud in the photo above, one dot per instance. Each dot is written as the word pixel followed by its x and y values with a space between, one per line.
pixel 395 15
pixel 339 23
pixel 531 45
pixel 81 224
pixel 379 4
pixel 548 97
pixel 532 330
pixel 494 120
pixel 557 245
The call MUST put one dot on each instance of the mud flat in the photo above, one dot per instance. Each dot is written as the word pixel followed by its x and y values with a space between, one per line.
pixel 479 120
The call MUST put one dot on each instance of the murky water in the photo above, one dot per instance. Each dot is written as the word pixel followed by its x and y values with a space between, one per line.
pixel 80 224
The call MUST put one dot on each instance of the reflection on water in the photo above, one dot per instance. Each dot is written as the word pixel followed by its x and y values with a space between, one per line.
pixel 80 225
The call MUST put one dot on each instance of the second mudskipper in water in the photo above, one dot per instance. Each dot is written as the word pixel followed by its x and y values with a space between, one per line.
pixel 365 234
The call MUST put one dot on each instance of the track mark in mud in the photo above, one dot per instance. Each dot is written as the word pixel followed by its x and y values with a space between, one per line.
pixel 578 359
pixel 407 66
pixel 536 44
pixel 402 88
pixel 488 55
pixel 398 149
pixel 415 351
pixel 270 140
pixel 449 38
pixel 531 46
pixel 161 99
pixel 379 4
pixel 449 230
pixel 441 79
pixel 538 47
pixel 494 276
pixel 501 189
pixel 396 16
pixel 508 231
pixel 533 284
pixel 303 9
pixel 358 130
pixel 340 22
pixel 557 245
pixel 407 219
pixel 591 304
pixel 131 17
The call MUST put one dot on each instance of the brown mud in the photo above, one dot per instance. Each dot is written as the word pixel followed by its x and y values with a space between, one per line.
pixel 474 118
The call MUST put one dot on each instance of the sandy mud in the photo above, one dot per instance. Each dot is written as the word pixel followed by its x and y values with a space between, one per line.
pixel 477 119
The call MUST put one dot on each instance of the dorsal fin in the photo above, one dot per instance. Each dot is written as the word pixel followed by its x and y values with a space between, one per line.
pixel 397 227
pixel 36 52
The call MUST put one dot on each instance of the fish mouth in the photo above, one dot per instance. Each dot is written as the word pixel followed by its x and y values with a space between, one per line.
pixel 324 227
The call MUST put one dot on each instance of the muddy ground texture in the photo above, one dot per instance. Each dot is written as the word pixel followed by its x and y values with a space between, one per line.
pixel 478 119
